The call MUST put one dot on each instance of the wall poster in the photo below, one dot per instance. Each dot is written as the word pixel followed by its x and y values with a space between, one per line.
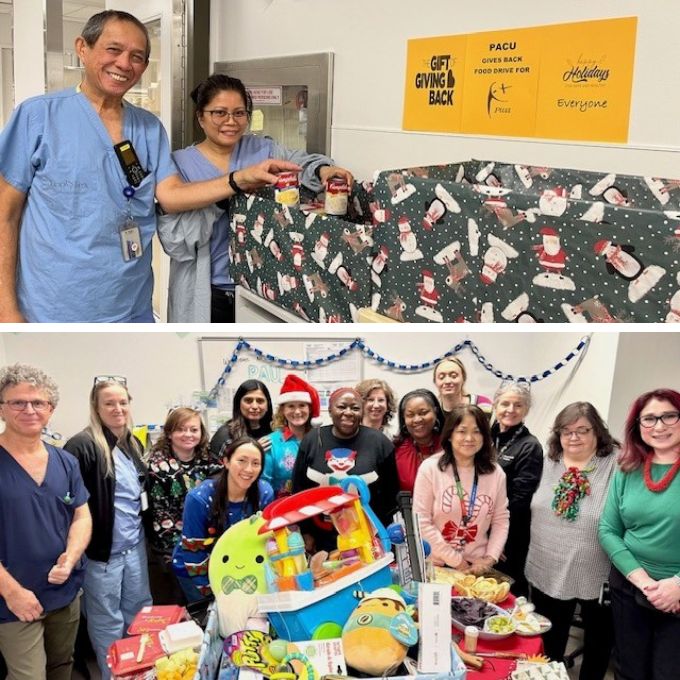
pixel 566 81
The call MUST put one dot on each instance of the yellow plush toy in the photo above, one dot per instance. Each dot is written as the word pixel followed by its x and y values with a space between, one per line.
pixel 378 634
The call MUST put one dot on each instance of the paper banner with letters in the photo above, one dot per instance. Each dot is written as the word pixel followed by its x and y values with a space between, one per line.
pixel 586 79
pixel 501 79
pixel 566 81
pixel 434 84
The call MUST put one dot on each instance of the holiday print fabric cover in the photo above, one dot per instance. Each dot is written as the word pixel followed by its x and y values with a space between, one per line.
pixel 476 241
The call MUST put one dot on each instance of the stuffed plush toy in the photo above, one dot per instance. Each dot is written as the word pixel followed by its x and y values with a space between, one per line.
pixel 236 572
pixel 378 634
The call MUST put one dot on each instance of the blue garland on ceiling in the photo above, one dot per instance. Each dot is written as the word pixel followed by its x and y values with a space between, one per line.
pixel 358 344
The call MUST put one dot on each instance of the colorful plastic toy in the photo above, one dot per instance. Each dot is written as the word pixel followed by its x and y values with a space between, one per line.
pixel 362 563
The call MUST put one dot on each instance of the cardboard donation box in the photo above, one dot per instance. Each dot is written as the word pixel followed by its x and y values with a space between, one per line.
pixel 475 241
pixel 310 264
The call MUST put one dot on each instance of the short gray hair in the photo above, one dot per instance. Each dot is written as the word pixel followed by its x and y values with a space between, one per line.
pixel 16 374
pixel 94 27
pixel 521 389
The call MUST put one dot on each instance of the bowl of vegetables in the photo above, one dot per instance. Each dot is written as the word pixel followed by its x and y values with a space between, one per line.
pixel 471 611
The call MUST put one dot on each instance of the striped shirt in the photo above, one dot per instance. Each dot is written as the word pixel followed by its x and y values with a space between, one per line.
pixel 565 558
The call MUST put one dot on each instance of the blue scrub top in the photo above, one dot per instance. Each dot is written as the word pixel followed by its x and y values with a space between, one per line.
pixel 34 525
pixel 56 150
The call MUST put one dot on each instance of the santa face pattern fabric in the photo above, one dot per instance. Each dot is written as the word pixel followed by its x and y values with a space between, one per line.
pixel 477 241
pixel 491 242
pixel 312 265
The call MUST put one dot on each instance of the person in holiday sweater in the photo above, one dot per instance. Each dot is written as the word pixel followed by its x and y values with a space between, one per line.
pixel 179 461
pixel 252 414
pixel 566 565
pixel 331 453
pixel 215 505
pixel 201 289
pixel 421 421
pixel 379 402
pixel 449 377
pixel 640 531
pixel 460 495
pixel 298 406
pixel 520 455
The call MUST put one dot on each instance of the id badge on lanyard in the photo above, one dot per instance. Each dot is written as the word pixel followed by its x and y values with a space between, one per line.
pixel 129 231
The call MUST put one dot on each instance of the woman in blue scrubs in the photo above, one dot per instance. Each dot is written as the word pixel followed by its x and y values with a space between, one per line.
pixel 201 287
pixel 116 579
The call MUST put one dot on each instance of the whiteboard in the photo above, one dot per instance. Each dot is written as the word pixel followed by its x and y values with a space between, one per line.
pixel 216 352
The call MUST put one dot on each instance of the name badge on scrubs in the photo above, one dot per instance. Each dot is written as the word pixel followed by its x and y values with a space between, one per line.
pixel 130 240
pixel 144 499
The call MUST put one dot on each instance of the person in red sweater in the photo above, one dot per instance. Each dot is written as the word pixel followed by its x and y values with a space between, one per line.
pixel 421 421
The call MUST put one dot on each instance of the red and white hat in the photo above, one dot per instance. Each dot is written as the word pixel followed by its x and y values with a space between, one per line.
pixel 295 388
pixel 601 246
pixel 548 231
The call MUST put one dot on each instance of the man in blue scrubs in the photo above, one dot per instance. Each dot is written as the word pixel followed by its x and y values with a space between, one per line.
pixel 76 216
pixel 45 526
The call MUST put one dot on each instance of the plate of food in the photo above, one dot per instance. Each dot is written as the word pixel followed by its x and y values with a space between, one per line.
pixel 531 624
pixel 494 623
pixel 469 585
pixel 527 621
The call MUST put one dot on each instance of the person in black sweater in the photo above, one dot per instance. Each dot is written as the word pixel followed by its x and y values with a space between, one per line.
pixel 251 416
pixel 520 455
pixel 330 453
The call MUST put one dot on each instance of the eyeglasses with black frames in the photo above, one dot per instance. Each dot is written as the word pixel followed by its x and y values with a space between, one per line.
pixel 221 115
pixel 38 405
pixel 650 421
pixel 576 432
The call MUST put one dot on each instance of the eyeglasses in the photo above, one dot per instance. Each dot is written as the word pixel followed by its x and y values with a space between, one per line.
pixel 578 432
pixel 219 115
pixel 666 418
pixel 38 405
pixel 121 380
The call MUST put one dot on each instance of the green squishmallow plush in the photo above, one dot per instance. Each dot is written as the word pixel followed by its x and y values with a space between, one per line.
pixel 236 572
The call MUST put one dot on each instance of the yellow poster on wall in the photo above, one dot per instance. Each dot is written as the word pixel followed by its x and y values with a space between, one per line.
pixel 434 83
pixel 567 81
pixel 501 79
pixel 586 79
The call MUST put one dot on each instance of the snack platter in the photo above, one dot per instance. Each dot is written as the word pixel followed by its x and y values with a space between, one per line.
pixel 493 609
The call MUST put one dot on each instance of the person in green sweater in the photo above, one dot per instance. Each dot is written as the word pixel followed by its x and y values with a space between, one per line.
pixel 640 531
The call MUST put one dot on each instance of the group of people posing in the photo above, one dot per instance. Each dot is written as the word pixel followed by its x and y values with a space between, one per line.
pixel 588 512
pixel 83 174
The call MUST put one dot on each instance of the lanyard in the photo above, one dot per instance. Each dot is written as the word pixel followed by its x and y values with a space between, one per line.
pixel 515 435
pixel 465 516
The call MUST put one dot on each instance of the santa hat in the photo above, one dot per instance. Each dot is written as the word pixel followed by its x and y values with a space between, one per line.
pixel 404 224
pixel 601 246
pixel 324 238
pixel 548 231
pixel 295 388
pixel 427 274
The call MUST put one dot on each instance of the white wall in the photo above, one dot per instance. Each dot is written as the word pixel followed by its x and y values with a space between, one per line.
pixel 369 41
pixel 160 366
pixel 643 366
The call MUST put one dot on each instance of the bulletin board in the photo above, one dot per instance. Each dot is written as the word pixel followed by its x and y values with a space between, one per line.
pixel 215 352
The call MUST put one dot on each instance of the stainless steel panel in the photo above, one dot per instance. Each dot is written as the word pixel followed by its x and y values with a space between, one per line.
pixel 313 71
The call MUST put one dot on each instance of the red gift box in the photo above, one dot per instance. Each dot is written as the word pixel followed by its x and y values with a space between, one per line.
pixel 122 655
pixel 153 619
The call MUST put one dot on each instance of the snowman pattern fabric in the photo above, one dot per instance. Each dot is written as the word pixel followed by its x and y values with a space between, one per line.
pixel 477 241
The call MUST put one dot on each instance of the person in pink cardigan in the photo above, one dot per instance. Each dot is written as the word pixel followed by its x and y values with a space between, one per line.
pixel 460 495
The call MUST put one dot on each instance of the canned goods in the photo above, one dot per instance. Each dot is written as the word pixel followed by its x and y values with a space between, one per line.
pixel 287 191
pixel 337 196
